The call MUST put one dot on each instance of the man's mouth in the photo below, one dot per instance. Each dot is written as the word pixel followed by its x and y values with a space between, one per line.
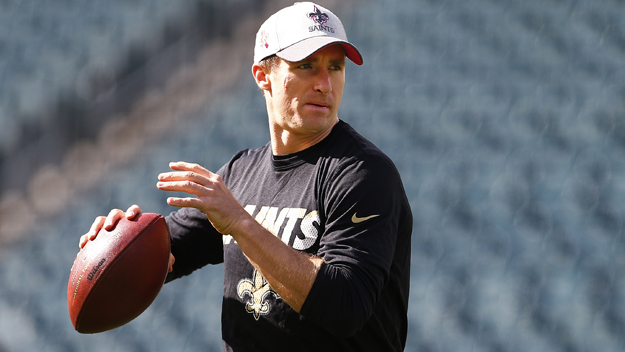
pixel 320 105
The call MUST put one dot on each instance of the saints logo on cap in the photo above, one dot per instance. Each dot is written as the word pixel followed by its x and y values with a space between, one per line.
pixel 319 16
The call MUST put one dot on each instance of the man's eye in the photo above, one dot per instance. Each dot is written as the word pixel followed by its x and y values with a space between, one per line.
pixel 305 66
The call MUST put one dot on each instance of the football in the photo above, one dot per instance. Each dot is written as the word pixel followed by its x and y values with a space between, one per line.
pixel 118 275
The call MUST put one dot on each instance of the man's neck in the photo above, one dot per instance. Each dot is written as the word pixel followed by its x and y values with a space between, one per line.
pixel 285 142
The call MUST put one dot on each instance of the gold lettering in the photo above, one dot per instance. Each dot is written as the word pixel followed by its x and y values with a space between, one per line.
pixel 80 277
pixel 114 238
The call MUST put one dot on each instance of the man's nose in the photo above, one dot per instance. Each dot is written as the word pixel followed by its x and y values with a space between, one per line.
pixel 322 81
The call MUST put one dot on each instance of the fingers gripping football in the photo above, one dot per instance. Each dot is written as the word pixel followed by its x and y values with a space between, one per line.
pixel 108 222
pixel 93 231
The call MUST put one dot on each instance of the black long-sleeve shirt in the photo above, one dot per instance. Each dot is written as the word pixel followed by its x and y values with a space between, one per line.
pixel 342 200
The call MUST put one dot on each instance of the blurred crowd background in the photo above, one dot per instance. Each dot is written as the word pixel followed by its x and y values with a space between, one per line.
pixel 506 120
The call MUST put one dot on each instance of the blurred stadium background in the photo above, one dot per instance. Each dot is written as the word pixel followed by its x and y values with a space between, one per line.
pixel 505 118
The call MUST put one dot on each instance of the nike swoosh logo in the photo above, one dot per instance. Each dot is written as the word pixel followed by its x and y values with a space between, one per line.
pixel 357 220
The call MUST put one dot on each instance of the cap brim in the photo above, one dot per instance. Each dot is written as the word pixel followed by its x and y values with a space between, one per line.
pixel 303 49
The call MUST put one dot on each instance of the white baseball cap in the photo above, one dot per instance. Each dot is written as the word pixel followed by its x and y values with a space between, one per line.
pixel 298 31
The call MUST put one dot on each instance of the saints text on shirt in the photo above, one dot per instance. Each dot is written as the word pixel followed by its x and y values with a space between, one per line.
pixel 283 223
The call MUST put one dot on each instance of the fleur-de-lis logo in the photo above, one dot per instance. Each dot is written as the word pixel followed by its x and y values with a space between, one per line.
pixel 258 292
pixel 318 16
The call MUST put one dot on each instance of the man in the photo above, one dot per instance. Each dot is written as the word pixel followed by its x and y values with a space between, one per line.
pixel 313 228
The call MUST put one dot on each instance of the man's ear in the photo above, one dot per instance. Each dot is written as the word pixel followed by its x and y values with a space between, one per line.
pixel 261 77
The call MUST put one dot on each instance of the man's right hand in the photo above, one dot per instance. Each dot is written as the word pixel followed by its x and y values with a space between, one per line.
pixel 108 223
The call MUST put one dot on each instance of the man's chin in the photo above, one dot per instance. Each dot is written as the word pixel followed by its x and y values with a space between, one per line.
pixel 315 124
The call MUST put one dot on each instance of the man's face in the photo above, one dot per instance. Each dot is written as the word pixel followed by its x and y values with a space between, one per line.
pixel 305 95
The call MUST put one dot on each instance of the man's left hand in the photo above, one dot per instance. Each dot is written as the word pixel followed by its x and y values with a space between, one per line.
pixel 213 198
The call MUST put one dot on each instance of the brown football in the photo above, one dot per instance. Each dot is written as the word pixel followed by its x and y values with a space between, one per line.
pixel 119 274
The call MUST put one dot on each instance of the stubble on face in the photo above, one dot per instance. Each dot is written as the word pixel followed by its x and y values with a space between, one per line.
pixel 306 95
